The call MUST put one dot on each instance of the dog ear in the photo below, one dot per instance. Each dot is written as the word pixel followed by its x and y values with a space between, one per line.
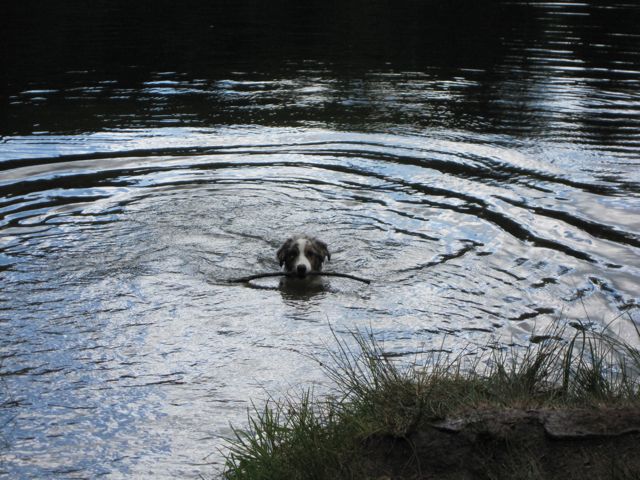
pixel 281 255
pixel 322 249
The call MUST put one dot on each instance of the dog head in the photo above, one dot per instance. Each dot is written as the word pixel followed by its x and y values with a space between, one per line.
pixel 303 255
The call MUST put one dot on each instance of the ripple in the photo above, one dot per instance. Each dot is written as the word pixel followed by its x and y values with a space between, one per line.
pixel 488 185
pixel 462 238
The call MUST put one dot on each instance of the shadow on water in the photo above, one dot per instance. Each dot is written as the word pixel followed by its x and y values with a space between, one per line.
pixel 561 70
pixel 305 291
pixel 477 160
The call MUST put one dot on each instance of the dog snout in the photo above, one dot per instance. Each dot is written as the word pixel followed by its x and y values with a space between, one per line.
pixel 301 270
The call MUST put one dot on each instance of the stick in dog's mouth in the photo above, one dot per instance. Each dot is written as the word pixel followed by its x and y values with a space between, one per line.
pixel 293 275
pixel 301 257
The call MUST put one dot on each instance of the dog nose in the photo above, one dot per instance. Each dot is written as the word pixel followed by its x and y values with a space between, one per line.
pixel 302 270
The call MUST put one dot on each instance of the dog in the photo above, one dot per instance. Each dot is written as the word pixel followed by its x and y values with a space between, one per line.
pixel 302 255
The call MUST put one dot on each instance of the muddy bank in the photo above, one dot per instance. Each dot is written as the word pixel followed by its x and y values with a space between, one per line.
pixel 514 444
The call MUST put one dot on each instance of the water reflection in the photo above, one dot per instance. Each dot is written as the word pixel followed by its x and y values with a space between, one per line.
pixel 293 290
pixel 478 162
pixel 125 277
pixel 562 71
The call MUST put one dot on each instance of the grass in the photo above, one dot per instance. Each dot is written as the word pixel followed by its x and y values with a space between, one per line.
pixel 304 437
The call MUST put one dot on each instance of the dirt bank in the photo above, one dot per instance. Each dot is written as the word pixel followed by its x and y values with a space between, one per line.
pixel 515 444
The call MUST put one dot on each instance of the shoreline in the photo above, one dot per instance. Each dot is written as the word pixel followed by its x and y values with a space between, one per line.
pixel 565 407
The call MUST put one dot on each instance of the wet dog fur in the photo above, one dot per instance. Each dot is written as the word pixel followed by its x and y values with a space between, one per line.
pixel 302 254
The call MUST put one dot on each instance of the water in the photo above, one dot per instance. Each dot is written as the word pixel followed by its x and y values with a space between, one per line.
pixel 479 164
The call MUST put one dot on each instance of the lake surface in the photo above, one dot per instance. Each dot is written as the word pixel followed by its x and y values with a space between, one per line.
pixel 480 163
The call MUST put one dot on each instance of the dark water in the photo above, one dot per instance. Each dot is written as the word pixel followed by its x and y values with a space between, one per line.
pixel 479 160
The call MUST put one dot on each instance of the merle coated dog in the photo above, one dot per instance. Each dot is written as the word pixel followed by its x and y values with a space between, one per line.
pixel 302 254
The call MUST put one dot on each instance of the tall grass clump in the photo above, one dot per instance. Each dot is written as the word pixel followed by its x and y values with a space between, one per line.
pixel 305 437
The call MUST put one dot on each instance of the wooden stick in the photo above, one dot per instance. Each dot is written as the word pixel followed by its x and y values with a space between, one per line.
pixel 257 275
pixel 341 275
pixel 294 275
